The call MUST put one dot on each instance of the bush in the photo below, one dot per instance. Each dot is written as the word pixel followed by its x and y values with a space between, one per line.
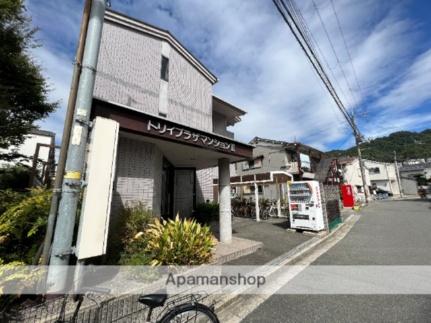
pixel 9 198
pixel 179 242
pixel 22 226
pixel 124 248
pixel 14 177
pixel 206 212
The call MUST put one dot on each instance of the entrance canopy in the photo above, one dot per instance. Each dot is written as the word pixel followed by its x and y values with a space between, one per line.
pixel 181 145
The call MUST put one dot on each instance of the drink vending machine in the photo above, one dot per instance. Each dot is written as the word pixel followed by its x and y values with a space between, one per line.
pixel 305 206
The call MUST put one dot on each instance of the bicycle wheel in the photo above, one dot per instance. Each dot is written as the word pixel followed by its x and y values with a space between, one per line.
pixel 190 313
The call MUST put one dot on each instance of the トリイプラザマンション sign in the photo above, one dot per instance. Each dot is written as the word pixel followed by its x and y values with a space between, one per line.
pixel 179 132
pixel 149 125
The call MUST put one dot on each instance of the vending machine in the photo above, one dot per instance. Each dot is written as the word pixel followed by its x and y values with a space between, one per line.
pixel 305 206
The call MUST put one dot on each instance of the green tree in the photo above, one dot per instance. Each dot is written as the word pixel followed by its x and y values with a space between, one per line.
pixel 23 90
pixel 407 144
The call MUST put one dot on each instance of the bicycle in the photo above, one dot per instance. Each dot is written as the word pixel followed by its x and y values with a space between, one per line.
pixel 185 308
pixel 178 310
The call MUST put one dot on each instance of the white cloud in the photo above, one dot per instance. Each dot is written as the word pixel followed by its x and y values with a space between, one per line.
pixel 414 88
pixel 262 69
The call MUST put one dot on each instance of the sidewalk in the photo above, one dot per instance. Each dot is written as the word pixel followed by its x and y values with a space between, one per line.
pixel 272 233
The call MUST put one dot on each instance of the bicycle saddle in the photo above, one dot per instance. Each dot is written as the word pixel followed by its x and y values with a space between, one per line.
pixel 153 300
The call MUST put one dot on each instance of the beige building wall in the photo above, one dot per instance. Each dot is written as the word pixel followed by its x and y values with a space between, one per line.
pixel 129 73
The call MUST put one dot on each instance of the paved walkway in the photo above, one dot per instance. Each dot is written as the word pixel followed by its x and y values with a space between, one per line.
pixel 272 232
pixel 388 233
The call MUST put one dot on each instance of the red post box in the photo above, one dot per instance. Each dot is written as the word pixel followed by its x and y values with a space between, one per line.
pixel 347 195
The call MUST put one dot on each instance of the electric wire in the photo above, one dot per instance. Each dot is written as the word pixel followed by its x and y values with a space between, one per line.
pixel 349 55
pixel 307 49
pixel 331 44
pixel 314 45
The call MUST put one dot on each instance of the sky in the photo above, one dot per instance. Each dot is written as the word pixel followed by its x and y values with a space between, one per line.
pixel 262 69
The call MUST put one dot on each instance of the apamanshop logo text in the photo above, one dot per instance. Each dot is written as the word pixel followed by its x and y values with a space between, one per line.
pixel 215 280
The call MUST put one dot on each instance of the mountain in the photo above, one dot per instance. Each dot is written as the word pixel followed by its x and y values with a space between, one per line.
pixel 407 144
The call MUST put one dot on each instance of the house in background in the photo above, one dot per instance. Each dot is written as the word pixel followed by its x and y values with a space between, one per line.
pixel 383 176
pixel 37 152
pixel 24 153
pixel 171 125
pixel 378 176
pixel 351 173
pixel 299 160
pixel 411 171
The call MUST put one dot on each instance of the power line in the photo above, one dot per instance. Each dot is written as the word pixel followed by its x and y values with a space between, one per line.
pixel 331 44
pixel 347 49
pixel 345 46
pixel 298 33
pixel 312 41
pixel 305 46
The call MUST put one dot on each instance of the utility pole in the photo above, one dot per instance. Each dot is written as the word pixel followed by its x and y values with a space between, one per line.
pixel 301 36
pixel 397 174
pixel 72 181
pixel 358 140
pixel 56 194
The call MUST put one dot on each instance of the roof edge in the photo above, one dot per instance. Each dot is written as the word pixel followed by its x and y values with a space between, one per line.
pixel 236 109
pixel 138 25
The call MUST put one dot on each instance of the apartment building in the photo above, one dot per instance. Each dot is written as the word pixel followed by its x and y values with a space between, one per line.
pixel 171 124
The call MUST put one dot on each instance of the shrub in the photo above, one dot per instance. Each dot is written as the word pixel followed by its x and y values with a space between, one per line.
pixel 179 242
pixel 16 275
pixel 22 226
pixel 135 219
pixel 9 198
pixel 124 248
pixel 206 212
pixel 14 177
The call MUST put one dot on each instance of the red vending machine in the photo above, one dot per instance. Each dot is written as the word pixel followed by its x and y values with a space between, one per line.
pixel 347 195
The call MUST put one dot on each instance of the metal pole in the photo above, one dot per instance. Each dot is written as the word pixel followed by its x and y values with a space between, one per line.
pixel 256 202
pixel 71 188
pixel 361 166
pixel 66 135
pixel 397 174
pixel 33 171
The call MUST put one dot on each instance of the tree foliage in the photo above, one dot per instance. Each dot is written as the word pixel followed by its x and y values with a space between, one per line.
pixel 22 226
pixel 23 90
pixel 408 145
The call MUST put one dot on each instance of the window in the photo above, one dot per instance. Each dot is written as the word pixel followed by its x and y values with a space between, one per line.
pixel 256 163
pixel 164 72
pixel 374 170
pixel 250 189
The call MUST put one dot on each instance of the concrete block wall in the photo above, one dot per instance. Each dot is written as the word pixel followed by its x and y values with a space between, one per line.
pixel 139 167
pixel 331 204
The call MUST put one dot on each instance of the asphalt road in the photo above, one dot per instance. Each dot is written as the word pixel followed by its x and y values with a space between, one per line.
pixel 388 233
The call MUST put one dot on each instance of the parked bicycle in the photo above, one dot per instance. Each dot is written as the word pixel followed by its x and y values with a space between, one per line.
pixel 183 308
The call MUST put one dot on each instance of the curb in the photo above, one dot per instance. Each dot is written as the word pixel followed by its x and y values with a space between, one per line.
pixel 229 308
pixel 240 253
